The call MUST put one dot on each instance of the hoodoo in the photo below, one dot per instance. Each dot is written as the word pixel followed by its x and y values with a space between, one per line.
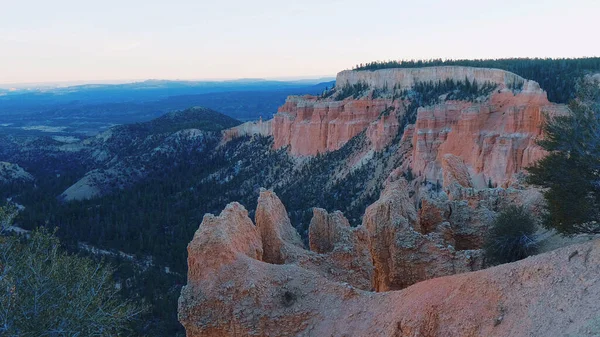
pixel 232 291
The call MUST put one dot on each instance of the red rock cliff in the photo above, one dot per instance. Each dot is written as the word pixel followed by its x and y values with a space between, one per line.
pixel 495 136
pixel 310 125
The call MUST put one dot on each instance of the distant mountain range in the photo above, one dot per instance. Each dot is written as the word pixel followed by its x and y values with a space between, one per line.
pixel 50 86
pixel 152 88
pixel 92 108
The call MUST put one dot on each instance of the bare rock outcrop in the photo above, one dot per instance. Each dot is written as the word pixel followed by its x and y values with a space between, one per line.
pixel 311 125
pixel 259 127
pixel 495 136
pixel 10 172
pixel 281 242
pixel 383 130
pixel 231 292
pixel 221 240
pixel 345 247
pixel 464 214
pixel 411 239
pixel 328 230
pixel 341 255
pixel 455 171
pixel 432 215
pixel 402 255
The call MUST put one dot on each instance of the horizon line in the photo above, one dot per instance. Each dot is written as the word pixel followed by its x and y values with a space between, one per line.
pixel 69 83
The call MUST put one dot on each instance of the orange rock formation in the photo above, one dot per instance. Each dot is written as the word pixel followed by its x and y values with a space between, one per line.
pixel 231 291
pixel 310 125
pixel 401 254
pixel 495 139
pixel 341 254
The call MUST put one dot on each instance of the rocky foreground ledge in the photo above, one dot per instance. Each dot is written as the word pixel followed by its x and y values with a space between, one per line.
pixel 258 280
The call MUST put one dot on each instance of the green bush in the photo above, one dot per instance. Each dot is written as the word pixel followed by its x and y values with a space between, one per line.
pixel 46 292
pixel 511 237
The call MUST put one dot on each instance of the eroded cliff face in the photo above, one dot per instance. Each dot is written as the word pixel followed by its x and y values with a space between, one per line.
pixel 405 253
pixel 309 125
pixel 232 291
pixel 495 135
pixel 340 253
pixel 495 138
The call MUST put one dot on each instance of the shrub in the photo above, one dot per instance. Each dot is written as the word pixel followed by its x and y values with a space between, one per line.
pixel 511 237
pixel 46 292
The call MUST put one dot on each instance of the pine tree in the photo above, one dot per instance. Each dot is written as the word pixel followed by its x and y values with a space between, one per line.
pixel 571 172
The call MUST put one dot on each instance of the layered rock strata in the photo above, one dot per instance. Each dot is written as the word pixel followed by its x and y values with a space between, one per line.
pixel 495 139
pixel 309 125
pixel 389 276
pixel 496 136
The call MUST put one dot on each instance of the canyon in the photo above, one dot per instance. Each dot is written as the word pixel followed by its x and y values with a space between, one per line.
pixel 414 265
pixel 385 184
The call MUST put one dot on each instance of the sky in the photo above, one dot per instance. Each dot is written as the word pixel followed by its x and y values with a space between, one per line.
pixel 108 40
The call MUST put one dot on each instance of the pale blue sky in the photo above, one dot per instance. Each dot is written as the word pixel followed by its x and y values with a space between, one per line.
pixel 74 40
